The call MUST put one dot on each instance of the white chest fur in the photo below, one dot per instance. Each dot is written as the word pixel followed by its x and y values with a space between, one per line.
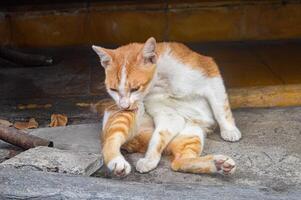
pixel 179 88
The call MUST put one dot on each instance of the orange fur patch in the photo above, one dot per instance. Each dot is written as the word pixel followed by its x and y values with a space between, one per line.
pixel 186 152
pixel 186 147
pixel 139 143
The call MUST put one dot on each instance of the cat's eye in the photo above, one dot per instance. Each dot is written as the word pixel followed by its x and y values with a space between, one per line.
pixel 113 89
pixel 135 89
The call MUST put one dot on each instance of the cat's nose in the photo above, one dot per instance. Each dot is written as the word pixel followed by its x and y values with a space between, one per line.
pixel 124 103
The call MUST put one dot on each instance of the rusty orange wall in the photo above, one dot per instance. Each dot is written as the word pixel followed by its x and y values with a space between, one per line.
pixel 192 21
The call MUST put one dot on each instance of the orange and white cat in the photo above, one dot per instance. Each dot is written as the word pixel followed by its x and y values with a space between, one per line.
pixel 167 98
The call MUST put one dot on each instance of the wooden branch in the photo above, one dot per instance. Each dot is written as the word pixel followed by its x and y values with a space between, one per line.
pixel 24 59
pixel 20 139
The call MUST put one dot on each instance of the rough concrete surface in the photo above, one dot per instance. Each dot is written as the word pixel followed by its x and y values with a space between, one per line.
pixel 20 184
pixel 268 157
pixel 269 153
pixel 55 160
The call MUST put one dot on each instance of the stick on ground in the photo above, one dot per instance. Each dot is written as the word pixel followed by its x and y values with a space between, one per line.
pixel 20 139
pixel 24 59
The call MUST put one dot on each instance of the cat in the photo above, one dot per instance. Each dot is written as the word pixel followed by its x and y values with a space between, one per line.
pixel 167 98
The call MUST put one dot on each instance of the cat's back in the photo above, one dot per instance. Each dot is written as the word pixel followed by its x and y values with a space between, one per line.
pixel 182 54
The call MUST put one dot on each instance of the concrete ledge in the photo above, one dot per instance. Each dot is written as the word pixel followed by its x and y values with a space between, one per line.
pixel 265 96
pixel 20 184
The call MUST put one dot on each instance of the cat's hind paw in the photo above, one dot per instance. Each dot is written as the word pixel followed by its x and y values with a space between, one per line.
pixel 119 166
pixel 231 135
pixel 224 165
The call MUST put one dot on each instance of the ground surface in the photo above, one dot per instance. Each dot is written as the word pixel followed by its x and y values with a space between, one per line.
pixel 268 156
pixel 20 184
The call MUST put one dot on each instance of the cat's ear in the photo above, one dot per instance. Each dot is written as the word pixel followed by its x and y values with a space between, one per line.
pixel 104 55
pixel 149 50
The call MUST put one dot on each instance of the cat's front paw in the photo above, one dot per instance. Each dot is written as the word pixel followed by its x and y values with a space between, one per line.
pixel 231 135
pixel 145 165
pixel 119 166
pixel 224 164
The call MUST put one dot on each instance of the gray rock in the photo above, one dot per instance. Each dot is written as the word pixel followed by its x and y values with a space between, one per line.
pixel 55 160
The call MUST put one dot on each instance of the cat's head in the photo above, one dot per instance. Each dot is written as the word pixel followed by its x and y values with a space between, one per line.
pixel 129 71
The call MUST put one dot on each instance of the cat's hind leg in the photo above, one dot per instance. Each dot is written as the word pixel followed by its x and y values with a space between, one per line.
pixel 186 149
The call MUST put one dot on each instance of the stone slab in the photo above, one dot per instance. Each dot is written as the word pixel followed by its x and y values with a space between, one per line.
pixel 55 160
pixel 83 137
pixel 22 184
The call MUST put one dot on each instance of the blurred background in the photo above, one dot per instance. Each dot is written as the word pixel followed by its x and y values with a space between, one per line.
pixel 256 44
